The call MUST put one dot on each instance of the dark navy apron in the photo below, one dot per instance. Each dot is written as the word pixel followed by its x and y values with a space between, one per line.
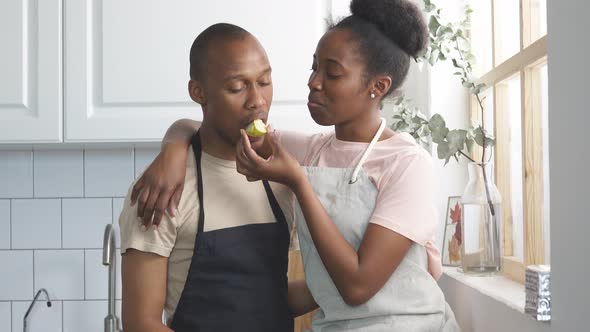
pixel 237 280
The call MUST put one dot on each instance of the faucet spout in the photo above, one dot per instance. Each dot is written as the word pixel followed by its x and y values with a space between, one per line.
pixel 39 292
pixel 109 259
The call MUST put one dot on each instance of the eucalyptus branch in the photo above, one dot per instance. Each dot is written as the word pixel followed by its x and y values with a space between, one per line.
pixel 447 42
pixel 466 156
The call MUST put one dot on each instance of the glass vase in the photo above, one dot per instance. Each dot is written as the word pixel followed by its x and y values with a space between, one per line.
pixel 481 222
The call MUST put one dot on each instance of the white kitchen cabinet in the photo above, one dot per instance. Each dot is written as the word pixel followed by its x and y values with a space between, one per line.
pixel 126 62
pixel 31 71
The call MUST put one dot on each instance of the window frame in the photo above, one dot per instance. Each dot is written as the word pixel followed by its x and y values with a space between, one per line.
pixel 525 63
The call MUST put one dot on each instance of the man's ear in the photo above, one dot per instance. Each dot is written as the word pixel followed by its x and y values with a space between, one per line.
pixel 197 92
pixel 381 85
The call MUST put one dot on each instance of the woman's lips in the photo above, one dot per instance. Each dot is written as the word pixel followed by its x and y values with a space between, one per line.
pixel 314 104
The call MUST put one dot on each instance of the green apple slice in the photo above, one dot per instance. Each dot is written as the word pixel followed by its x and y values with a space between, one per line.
pixel 256 129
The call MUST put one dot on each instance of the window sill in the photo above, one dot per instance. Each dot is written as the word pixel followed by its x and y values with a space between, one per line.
pixel 498 288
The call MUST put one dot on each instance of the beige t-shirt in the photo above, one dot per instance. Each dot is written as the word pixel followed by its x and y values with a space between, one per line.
pixel 229 199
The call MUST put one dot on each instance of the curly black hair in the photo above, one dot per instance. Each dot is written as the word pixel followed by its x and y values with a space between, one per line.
pixel 387 33
pixel 200 47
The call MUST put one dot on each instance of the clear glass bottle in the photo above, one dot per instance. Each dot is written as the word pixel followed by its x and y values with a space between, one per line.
pixel 481 222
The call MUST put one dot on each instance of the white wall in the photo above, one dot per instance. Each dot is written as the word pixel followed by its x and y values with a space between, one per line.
pixel 568 48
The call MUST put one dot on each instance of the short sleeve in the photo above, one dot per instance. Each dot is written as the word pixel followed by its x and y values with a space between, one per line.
pixel 158 240
pixel 405 202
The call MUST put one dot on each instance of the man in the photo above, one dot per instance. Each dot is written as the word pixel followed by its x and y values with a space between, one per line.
pixel 220 264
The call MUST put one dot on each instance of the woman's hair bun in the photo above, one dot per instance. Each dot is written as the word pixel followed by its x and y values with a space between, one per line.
pixel 400 20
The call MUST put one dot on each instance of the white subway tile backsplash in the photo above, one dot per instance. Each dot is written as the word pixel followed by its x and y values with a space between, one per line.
pixel 16 278
pixel 59 173
pixel 108 173
pixel 5 316
pixel 117 208
pixel 54 205
pixel 85 316
pixel 143 158
pixel 97 276
pixel 41 318
pixel 5 224
pixel 84 220
pixel 16 174
pixel 61 272
pixel 36 223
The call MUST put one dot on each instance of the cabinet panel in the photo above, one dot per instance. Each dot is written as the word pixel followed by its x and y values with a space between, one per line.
pixel 127 61
pixel 31 71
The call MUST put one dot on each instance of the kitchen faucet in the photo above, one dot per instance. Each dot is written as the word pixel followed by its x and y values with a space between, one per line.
pixel 111 321
pixel 42 290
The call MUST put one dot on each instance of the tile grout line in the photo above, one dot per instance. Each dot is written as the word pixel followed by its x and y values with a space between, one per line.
pixel 50 249
pixel 62 315
pixel 84 275
pixel 33 164
pixel 10 222
pixel 60 197
pixel 62 222
pixel 84 173
pixel 33 274
pixel 62 300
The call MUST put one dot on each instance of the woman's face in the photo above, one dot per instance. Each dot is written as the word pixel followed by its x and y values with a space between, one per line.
pixel 338 88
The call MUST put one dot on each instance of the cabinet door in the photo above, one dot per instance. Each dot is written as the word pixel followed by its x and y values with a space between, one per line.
pixel 127 61
pixel 30 71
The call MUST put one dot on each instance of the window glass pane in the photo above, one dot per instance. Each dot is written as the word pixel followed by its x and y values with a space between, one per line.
pixel 545 119
pixel 481 36
pixel 509 102
pixel 538 19
pixel 507 29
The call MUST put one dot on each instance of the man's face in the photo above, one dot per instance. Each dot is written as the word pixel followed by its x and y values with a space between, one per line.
pixel 237 87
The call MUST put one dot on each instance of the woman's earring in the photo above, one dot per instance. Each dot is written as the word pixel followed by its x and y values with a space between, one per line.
pixel 372 95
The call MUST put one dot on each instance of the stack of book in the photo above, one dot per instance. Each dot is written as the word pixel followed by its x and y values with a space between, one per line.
pixel 538 292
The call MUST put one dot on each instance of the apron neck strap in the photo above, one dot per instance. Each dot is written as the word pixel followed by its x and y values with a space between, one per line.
pixel 196 144
pixel 374 141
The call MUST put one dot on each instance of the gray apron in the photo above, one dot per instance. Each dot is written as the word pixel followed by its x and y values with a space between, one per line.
pixel 409 301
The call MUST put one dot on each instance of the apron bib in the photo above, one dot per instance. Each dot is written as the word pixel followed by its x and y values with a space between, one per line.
pixel 237 280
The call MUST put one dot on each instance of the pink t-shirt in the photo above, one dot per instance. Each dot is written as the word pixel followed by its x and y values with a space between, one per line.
pixel 400 169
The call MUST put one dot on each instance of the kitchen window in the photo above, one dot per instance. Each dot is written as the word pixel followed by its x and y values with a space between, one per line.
pixel 509 40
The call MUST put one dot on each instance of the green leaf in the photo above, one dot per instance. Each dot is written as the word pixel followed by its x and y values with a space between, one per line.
pixel 445 30
pixel 456 139
pixel 423 132
pixel 469 142
pixel 439 135
pixel 433 25
pixel 434 57
pixel 459 63
pixel 400 126
pixel 443 150
pixel 436 121
pixel 477 89
pixel 479 134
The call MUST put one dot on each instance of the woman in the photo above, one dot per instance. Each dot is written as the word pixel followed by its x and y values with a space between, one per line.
pixel 365 215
